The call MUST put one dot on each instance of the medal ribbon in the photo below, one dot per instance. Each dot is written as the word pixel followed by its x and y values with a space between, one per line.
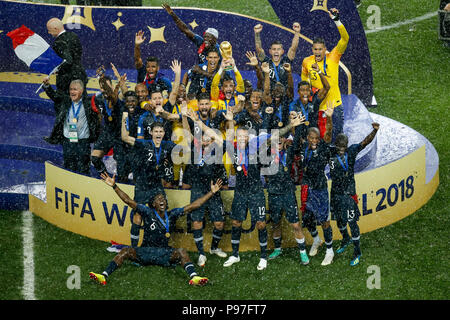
pixel 305 113
pixel 166 225
pixel 205 122
pixel 345 166
pixel 325 65
pixel 245 162
pixel 75 113
pixel 108 110
pixel 308 157
pixel 157 153
pixel 280 114
pixel 275 69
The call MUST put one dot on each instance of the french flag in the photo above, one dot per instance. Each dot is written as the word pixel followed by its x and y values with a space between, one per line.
pixel 32 49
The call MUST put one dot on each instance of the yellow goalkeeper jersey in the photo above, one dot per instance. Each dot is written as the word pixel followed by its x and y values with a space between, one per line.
pixel 330 68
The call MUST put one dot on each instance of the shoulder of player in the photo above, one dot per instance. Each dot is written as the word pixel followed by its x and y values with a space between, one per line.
pixel 143 209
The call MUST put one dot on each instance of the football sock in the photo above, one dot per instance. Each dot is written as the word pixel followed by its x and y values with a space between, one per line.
pixel 134 234
pixel 190 269
pixel 198 238
pixel 112 266
pixel 262 236
pixel 354 228
pixel 343 230
pixel 314 233
pixel 216 237
pixel 328 236
pixel 277 242
pixel 301 244
pixel 235 240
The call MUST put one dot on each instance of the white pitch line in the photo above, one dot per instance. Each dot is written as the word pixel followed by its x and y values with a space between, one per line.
pixel 402 23
pixel 28 256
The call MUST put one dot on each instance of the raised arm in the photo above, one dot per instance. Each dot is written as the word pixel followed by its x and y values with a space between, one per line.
pixel 56 97
pixel 294 122
pixel 122 195
pixel 371 135
pixel 290 83
pixel 253 61
pixel 215 187
pixel 124 132
pixel 322 93
pixel 267 97
pixel 121 78
pixel 192 115
pixel 258 46
pixel 329 126
pixel 294 45
pixel 176 68
pixel 138 40
pixel 216 80
pixel 343 41
pixel 240 86
pixel 180 24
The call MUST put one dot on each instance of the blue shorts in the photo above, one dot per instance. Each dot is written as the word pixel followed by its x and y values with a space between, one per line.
pixel 213 205
pixel 255 203
pixel 286 202
pixel 317 203
pixel 343 208
pixel 154 256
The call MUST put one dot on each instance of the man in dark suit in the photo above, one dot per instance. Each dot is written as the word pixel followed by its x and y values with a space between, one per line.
pixel 77 125
pixel 67 45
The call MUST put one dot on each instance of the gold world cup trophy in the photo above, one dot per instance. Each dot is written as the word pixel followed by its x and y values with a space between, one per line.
pixel 227 53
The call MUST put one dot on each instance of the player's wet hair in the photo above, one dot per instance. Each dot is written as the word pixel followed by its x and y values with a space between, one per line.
pixel 155 89
pixel 319 40
pixel 341 140
pixel 203 96
pixel 130 93
pixel 153 59
pixel 313 129
pixel 276 42
pixel 150 203
pixel 213 49
pixel 156 124
pixel 226 77
pixel 303 83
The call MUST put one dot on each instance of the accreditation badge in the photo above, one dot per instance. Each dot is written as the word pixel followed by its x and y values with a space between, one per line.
pixel 73 133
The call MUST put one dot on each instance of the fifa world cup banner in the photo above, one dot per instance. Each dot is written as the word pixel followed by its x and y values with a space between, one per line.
pixel 87 206
pixel 107 35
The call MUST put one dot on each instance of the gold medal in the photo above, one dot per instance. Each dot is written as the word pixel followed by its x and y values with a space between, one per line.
pixel 110 118
pixel 74 120
pixel 306 123
pixel 167 235
pixel 286 169
pixel 280 124
pixel 203 90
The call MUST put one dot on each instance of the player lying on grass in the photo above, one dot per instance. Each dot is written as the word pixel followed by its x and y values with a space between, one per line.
pixel 155 249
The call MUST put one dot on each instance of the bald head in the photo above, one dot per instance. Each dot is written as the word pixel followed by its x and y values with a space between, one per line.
pixel 55 26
